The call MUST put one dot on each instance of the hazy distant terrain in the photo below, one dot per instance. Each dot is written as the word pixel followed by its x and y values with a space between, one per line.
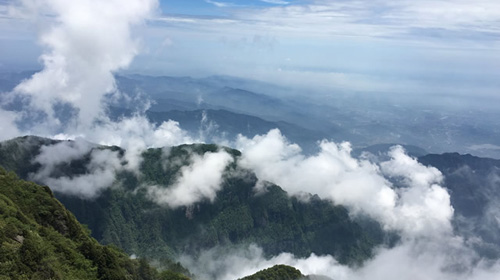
pixel 359 118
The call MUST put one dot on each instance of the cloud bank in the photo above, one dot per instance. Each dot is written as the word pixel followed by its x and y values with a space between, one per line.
pixel 425 261
pixel 417 208
pixel 400 193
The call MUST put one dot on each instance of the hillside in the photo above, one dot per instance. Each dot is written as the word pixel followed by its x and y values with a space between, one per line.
pixel 127 216
pixel 40 239
pixel 277 272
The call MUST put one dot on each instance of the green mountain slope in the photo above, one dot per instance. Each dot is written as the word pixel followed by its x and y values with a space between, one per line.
pixel 127 217
pixel 40 239
pixel 277 272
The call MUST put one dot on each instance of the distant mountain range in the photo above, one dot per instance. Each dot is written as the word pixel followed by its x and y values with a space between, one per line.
pixel 363 120
pixel 212 125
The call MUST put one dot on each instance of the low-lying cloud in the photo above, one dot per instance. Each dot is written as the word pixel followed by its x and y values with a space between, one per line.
pixel 446 259
pixel 400 193
pixel 420 207
pixel 99 172
pixel 199 180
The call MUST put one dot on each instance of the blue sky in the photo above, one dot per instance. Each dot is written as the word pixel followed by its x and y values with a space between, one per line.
pixel 401 47
pixel 203 7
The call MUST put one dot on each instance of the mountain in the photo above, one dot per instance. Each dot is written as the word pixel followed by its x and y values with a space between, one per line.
pixel 126 215
pixel 362 118
pixel 40 239
pixel 128 218
pixel 283 272
pixel 277 272
pixel 236 95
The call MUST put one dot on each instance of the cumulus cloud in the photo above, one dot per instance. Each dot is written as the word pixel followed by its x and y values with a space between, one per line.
pixel 199 180
pixel 400 193
pixel 86 42
pixel 418 208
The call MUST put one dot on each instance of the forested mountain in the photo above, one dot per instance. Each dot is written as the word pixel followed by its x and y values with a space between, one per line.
pixel 277 272
pixel 40 239
pixel 128 215
pixel 125 215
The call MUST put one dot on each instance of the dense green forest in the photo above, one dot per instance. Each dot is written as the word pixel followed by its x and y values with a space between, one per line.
pixel 277 272
pixel 40 239
pixel 124 215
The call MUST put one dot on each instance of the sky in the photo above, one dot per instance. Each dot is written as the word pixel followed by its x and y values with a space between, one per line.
pixel 400 47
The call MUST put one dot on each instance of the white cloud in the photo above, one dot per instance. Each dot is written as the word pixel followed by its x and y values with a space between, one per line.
pixel 220 4
pixel 62 152
pixel 99 173
pixel 410 260
pixel 277 2
pixel 199 180
pixel 85 42
pixel 8 127
pixel 167 42
pixel 135 134
pixel 421 208
pixel 373 19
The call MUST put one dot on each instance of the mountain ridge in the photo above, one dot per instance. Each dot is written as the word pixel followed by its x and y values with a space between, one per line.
pixel 272 219
pixel 42 240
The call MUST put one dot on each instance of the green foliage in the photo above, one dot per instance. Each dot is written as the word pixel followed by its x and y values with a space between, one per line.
pixel 238 215
pixel 16 154
pixel 40 239
pixel 277 272
pixel 126 217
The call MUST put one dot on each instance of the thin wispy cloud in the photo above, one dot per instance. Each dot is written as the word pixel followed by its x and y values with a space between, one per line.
pixel 220 4
pixel 380 19
pixel 277 2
